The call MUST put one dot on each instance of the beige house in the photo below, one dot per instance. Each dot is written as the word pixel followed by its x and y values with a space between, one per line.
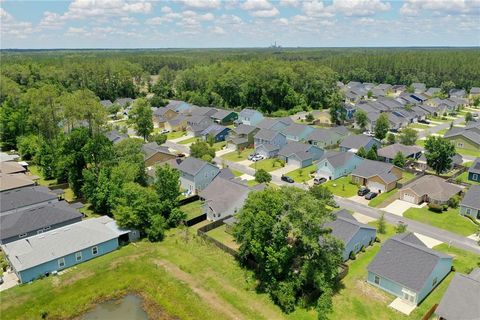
pixel 155 154
pixel 430 189
pixel 377 176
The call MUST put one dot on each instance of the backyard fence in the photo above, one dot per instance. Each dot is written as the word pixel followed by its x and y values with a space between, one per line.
pixel 418 176
pixel 196 220
pixel 202 232
pixel 188 200
pixel 430 312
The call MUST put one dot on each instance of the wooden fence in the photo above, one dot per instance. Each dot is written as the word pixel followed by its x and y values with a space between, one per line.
pixel 430 312
pixel 188 200
pixel 202 232
pixel 196 220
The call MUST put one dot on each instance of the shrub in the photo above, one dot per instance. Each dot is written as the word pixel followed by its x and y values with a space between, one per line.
pixel 454 201
pixel 435 207
pixel 352 255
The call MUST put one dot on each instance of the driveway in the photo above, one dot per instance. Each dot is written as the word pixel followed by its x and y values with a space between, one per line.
pixel 10 279
pixel 363 218
pixel 428 241
pixel 245 163
pixel 222 152
pixel 288 168
pixel 398 207
pixel 402 306
pixel 188 136
pixel 360 199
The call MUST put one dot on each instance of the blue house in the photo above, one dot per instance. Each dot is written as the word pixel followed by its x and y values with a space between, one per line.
pixel 269 142
pixel 218 132
pixel 354 142
pixel 179 106
pixel 275 124
pixel 354 234
pixel 474 171
pixel 300 154
pixel 408 269
pixel 297 132
pixel 250 117
pixel 470 205
pixel 196 174
pixel 56 250
pixel 334 165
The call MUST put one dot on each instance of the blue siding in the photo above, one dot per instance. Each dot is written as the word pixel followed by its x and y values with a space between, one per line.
pixel 473 177
pixel 386 285
pixel 252 120
pixel 341 171
pixel 474 213
pixel 203 178
pixel 362 238
pixel 222 135
pixel 70 260
pixel 441 270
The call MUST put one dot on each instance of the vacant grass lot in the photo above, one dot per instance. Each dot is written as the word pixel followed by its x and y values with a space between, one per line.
pixel 266 164
pixel 175 135
pixel 302 174
pixel 449 220
pixel 235 156
pixel 342 187
pixel 221 235
pixel 193 209
pixel 189 140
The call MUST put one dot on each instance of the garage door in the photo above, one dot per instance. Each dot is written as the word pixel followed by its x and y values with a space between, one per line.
pixel 409 198
pixel 294 162
pixel 376 187
pixel 231 146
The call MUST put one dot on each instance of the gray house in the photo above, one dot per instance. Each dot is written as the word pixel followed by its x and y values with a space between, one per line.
pixel 250 117
pixel 470 205
pixel 388 153
pixel 461 300
pixel 196 174
pixel 268 142
pixel 115 137
pixel 25 223
pixel 354 142
pixel 26 198
pixel 408 269
pixel 300 154
pixel 354 234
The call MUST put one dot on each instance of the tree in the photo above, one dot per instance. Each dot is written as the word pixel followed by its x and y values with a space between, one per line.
pixel 167 186
pixel 362 153
pixel 262 176
pixel 73 158
pixel 468 117
pixel 322 194
pixel 446 86
pixel 83 106
pixel 399 160
pixel 210 139
pixel 158 102
pixel 372 153
pixel 408 136
pixel 391 138
pixel 13 122
pixel 361 119
pixel 141 118
pixel 283 231
pixel 28 146
pixel 382 126
pixel 382 225
pixel 309 118
pixel 439 153
pixel 338 113
pixel 200 148
pixel 158 138
pixel 400 227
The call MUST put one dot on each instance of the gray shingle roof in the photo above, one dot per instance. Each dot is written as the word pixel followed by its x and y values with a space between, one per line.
pixel 115 136
pixel 23 197
pixel 296 129
pixel 391 151
pixel 151 148
pixel 345 226
pixel 475 167
pixel 244 129
pixel 338 159
pixel 213 129
pixel 293 147
pixel 370 168
pixel 461 300
pixel 472 198
pixel 321 134
pixel 266 134
pixel 356 141
pixel 435 187
pixel 405 263
pixel 193 165
pixel 23 221
pixel 248 112
pixel 221 194
pixel 221 114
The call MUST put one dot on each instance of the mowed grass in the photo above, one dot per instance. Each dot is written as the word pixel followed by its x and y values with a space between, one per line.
pixel 193 209
pixel 418 126
pixel 464 178
pixel 449 220
pixel 375 202
pixel 223 236
pixel 189 140
pixel 235 156
pixel 175 134
pixel 342 187
pixel 301 175
pixel 468 152
pixel 36 170
pixel 406 176
pixel 267 165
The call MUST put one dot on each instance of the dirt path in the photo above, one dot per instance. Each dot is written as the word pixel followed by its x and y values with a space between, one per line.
pixel 210 297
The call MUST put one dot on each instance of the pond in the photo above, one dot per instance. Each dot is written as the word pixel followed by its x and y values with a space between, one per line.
pixel 126 308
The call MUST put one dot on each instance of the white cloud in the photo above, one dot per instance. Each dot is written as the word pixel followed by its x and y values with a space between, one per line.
pixel 218 30
pixel 83 9
pixel 360 7
pixel 166 10
pixel 76 30
pixel 316 8
pixel 290 3
pixel 51 20
pixel 414 7
pixel 11 27
pixel 265 13
pixel 281 21
pixel 201 4
pixel 256 5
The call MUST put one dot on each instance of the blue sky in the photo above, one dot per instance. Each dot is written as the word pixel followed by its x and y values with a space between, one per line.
pixel 238 23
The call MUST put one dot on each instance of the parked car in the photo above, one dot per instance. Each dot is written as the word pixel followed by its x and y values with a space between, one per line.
pixel 424 121
pixel 250 157
pixel 164 131
pixel 369 133
pixel 363 191
pixel 393 130
pixel 475 115
pixel 287 179
pixel 319 180
pixel 370 195
pixel 258 157
pixel 181 155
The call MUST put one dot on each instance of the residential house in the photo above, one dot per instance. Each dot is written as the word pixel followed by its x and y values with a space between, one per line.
pixel 179 106
pixel 11 167
pixel 202 111
pixel 275 124
pixel 10 181
pixel 218 132
pixel 398 89
pixel 321 117
pixel 5 157
pixel 324 138
pixel 475 92
pixel 419 97
pixel 408 269
pixel 354 142
pixel 196 174
pixel 28 222
pixel 431 92
pixel 334 165
pixel 377 176
pixel 429 188
pixel 457 93
pixel 354 234
pixel 179 123
pixel 250 117
pixel 419 87
pixel 106 103
pixel 421 162
pixel 197 124
pixel 461 300
pixel 155 154
pixel 297 132
pixel 224 117
pixel 124 102
pixel 470 204
pixel 241 137
pixel 268 142
pixel 26 198
pixel 224 197
pixel 474 171
pixel 162 115
pixel 56 250
pixel 389 152
pixel 300 154
pixel 467 137
pixel 115 137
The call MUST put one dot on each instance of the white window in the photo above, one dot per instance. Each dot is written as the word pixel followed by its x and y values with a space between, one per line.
pixel 460 144
pixel 23 235
pixel 95 250
pixel 78 256
pixel 474 176
pixel 377 280
pixel 61 262
pixel 468 211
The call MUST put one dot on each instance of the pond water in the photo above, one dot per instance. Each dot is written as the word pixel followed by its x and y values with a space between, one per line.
pixel 126 308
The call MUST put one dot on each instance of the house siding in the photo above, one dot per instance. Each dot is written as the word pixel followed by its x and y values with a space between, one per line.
pixel 461 142
pixel 474 176
pixel 70 260
pixel 252 120
pixel 203 178
pixel 341 171
pixel 363 238
pixel 158 158
pixel 467 211
pixel 279 140
pixel 386 285
pixel 441 270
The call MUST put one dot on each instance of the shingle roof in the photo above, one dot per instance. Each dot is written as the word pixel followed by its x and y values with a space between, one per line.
pixel 293 147
pixel 296 129
pixel 106 103
pixel 433 186
pixel 475 167
pixel 19 198
pixel 356 141
pixel 14 180
pixel 475 90
pixel 345 226
pixel 124 101
pixel 321 134
pixel 391 151
pixel 221 194
pixel 11 167
pixel 370 168
pixel 8 157
pixel 248 112
pixel 151 148
pixel 338 159
pixel 404 262
pixel 193 165
pixel 244 129
pixel 472 198
pixel 221 114
pixel 214 129
pixel 115 136
pixel 28 220
pixel 266 134
pixel 177 120
pixel 30 252
pixel 461 300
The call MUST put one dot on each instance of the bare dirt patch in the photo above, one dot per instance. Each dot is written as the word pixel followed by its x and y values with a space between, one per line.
pixel 370 291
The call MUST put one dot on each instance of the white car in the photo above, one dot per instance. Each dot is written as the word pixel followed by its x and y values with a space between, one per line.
pixel 258 158
pixel 164 131
pixel 369 133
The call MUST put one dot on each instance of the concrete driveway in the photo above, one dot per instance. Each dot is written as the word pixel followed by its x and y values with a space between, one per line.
pixel 398 207
pixel 428 241
pixel 222 152
pixel 10 279
pixel 360 199
pixel 363 218
pixel 284 170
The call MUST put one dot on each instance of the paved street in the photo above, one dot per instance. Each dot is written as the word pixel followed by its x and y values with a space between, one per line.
pixel 446 125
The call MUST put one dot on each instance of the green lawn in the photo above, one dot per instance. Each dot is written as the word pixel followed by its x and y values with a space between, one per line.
pixel 219 145
pixel 468 152
pixel 175 135
pixel 449 220
pixel 342 187
pixel 252 183
pixel 69 195
pixel 189 140
pixel 441 132
pixel 88 211
pixel 468 164
pixel 302 174
pixel 420 143
pixel 236 173
pixel 464 178
pixel 418 126
pixel 36 170
pixel 375 202
pixel 267 164
pixel 193 209
pixel 221 235
pixel 235 156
